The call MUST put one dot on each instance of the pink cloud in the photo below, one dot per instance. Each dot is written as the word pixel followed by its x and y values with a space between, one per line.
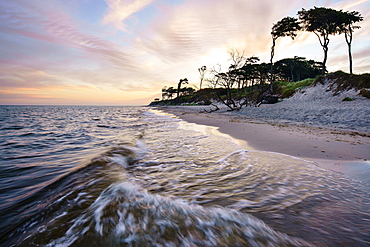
pixel 75 55
pixel 120 10
pixel 57 27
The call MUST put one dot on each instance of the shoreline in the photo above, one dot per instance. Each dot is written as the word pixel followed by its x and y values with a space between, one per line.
pixel 337 150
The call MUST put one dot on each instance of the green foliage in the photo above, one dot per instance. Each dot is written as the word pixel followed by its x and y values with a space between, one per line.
pixel 348 99
pixel 324 21
pixel 287 89
pixel 247 82
pixel 288 26
pixel 339 81
pixel 296 69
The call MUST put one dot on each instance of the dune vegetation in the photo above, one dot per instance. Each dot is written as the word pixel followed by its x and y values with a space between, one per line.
pixel 249 82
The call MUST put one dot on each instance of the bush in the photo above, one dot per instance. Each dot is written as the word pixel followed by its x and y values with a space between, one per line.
pixel 365 93
pixel 348 99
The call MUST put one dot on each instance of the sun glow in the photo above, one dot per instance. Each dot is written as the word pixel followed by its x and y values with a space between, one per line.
pixel 124 51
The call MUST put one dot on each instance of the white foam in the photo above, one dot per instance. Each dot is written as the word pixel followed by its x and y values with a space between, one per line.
pixel 137 209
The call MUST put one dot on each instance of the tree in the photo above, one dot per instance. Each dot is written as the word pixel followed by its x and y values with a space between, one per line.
pixel 297 68
pixel 164 93
pixel 223 84
pixel 322 22
pixel 187 91
pixel 250 70
pixel 232 85
pixel 232 80
pixel 202 71
pixel 349 19
pixel 235 74
pixel 170 92
pixel 182 81
pixel 286 27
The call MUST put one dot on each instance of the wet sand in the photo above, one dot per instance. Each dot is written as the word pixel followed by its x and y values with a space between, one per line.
pixel 347 152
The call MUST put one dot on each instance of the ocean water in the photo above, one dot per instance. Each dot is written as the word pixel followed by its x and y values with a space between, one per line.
pixel 134 176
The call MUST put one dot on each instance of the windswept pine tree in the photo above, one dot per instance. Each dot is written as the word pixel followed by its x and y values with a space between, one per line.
pixel 348 26
pixel 323 22
pixel 247 82
pixel 182 81
pixel 286 27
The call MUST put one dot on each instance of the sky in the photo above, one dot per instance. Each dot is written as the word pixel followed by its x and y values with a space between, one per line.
pixel 123 52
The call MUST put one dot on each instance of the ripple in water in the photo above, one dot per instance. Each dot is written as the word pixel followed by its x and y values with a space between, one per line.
pixel 143 180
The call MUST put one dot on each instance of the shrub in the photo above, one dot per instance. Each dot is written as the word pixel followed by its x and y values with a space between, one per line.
pixel 348 99
pixel 365 93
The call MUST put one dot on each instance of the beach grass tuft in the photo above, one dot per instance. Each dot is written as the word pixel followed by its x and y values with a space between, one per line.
pixel 348 99
pixel 288 89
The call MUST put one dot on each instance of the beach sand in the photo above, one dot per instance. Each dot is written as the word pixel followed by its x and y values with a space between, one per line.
pixel 344 151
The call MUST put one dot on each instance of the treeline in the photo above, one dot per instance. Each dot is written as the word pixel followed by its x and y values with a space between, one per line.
pixel 244 85
pixel 248 82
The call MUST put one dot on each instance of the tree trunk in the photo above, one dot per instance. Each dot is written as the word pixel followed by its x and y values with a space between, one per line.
pixel 292 71
pixel 350 58
pixel 324 43
pixel 325 48
pixel 272 66
pixel 348 36
pixel 178 92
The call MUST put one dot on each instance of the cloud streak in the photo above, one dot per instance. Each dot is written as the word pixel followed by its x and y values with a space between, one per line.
pixel 53 26
pixel 51 47
pixel 120 10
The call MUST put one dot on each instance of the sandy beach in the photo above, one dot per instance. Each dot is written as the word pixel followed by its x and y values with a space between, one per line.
pixel 345 151
pixel 314 124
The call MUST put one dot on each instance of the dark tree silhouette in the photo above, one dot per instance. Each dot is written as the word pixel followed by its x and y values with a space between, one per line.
pixel 169 92
pixel 202 71
pixel 249 70
pixel 322 22
pixel 297 68
pixel 187 91
pixel 182 81
pixel 286 27
pixel 349 19
pixel 164 93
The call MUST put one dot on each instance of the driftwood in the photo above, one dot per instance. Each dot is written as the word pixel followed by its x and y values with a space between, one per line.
pixel 210 110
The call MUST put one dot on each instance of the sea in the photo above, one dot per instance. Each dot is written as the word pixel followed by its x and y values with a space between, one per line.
pixel 137 176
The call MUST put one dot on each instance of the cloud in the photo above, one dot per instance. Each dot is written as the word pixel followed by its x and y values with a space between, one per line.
pixel 184 37
pixel 21 96
pixel 13 76
pixel 351 4
pixel 48 47
pixel 16 78
pixel 196 27
pixel 44 50
pixel 120 10
pixel 53 26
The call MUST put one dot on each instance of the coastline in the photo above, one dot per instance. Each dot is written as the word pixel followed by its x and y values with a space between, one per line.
pixel 343 151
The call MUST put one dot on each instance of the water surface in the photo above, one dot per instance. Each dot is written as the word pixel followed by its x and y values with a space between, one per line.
pixel 129 176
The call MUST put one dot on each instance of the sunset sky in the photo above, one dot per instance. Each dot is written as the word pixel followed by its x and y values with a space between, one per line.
pixel 122 52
